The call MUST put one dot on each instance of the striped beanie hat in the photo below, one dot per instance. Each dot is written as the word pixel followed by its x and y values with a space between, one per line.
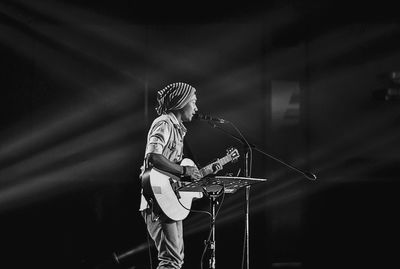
pixel 173 97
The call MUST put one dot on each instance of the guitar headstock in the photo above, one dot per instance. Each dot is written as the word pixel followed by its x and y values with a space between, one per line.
pixel 233 153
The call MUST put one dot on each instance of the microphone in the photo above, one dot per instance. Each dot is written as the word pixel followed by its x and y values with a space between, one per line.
pixel 199 116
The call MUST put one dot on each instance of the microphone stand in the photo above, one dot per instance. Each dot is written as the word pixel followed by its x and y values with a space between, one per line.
pixel 247 173
pixel 247 195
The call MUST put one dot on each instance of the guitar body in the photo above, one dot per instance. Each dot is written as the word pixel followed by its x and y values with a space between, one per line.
pixel 160 189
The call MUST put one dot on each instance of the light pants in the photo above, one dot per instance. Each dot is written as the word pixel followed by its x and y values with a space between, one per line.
pixel 168 239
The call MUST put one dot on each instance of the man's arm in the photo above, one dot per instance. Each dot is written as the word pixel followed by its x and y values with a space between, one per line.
pixel 159 161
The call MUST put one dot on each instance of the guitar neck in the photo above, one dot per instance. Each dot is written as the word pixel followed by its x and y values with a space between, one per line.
pixel 208 169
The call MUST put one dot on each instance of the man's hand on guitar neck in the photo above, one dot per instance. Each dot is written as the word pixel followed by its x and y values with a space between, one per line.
pixel 191 172
pixel 216 167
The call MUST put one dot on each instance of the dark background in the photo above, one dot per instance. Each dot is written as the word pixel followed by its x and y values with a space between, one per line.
pixel 304 81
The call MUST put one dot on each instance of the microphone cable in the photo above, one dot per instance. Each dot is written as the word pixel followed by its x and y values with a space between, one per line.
pixel 195 211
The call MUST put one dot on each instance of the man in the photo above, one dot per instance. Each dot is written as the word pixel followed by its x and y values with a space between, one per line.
pixel 164 151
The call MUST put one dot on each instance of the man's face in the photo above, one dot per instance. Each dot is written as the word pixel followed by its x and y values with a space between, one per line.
pixel 189 109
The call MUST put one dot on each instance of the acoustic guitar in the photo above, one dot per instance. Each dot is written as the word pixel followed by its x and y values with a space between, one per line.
pixel 161 189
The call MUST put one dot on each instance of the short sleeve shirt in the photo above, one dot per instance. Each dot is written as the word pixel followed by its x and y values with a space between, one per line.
pixel 165 137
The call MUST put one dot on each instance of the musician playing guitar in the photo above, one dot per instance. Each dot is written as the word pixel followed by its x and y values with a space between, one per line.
pixel 164 151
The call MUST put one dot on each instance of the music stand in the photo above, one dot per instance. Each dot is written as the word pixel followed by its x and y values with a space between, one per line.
pixel 213 187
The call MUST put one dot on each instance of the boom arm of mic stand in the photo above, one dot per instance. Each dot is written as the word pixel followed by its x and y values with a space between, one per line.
pixel 308 175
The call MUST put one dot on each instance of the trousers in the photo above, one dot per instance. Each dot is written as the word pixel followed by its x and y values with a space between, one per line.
pixel 168 239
